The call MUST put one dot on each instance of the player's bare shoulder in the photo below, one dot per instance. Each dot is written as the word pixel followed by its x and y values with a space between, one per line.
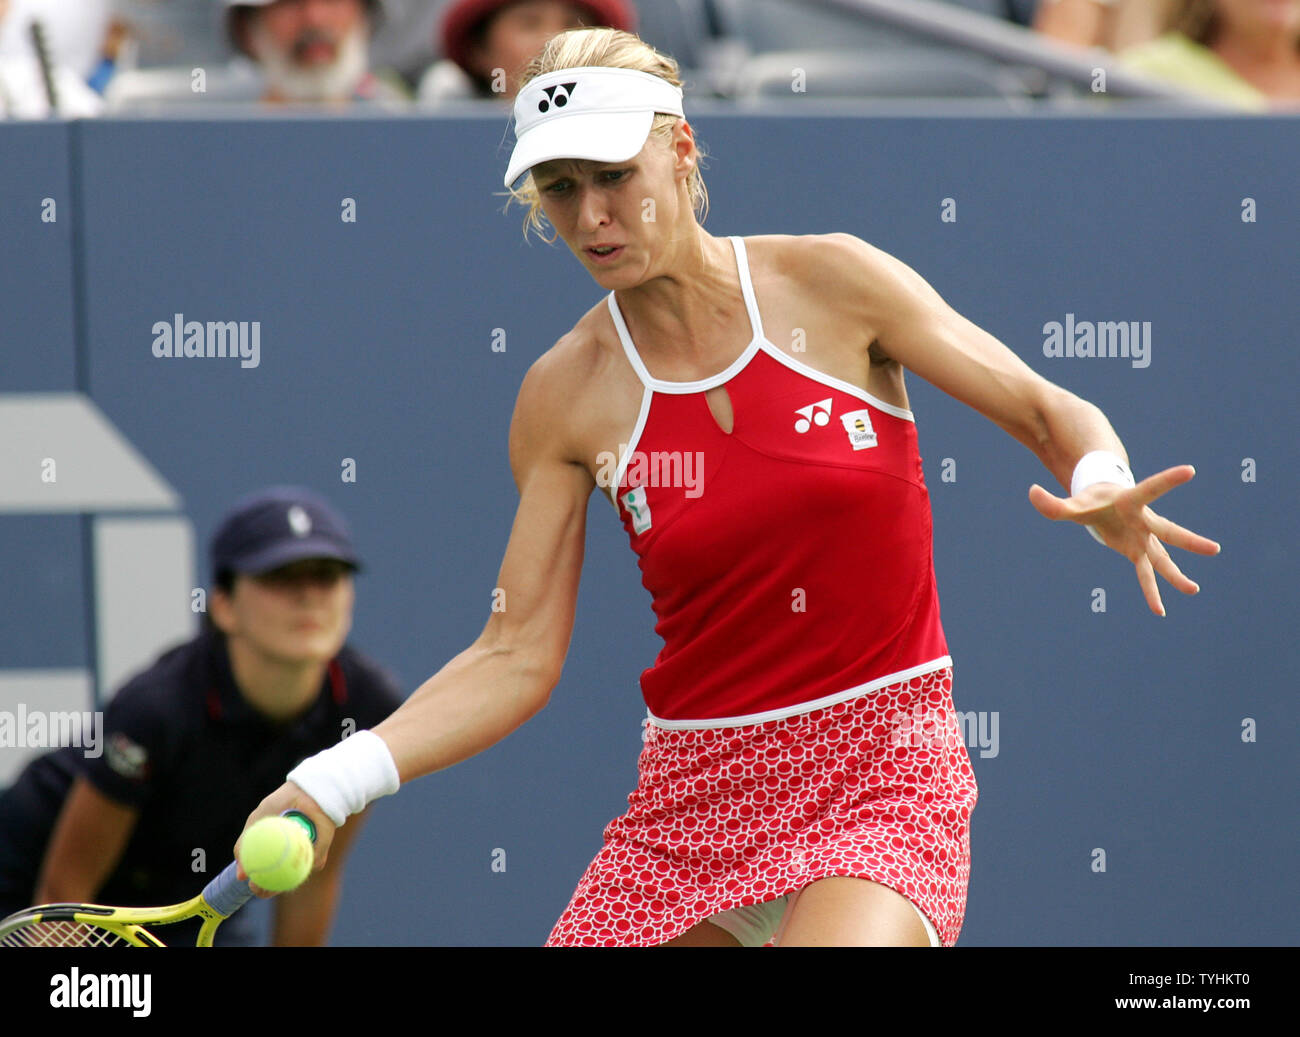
pixel 857 285
pixel 836 265
pixel 565 401
pixel 539 427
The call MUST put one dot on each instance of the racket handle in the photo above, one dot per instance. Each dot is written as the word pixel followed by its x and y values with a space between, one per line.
pixel 227 893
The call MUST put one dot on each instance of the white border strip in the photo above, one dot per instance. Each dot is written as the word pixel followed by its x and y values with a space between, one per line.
pixel 637 429
pixel 625 340
pixel 756 322
pixel 835 383
pixel 747 286
pixel 732 369
pixel 725 375
pixel 803 707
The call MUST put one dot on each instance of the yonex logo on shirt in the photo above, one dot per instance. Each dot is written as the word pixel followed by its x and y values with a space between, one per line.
pixel 557 95
pixel 818 413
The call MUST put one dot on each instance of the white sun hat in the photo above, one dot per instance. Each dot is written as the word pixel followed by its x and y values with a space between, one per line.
pixel 592 112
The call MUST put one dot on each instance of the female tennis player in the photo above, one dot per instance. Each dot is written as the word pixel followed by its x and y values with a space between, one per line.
pixel 742 403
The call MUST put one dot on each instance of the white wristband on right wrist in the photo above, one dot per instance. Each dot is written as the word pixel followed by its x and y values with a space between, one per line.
pixel 1099 466
pixel 347 777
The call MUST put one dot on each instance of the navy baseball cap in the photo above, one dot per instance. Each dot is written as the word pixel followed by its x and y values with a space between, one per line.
pixel 274 527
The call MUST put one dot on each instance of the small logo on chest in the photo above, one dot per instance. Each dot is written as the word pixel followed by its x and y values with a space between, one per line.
pixel 858 425
pixel 637 506
pixel 818 413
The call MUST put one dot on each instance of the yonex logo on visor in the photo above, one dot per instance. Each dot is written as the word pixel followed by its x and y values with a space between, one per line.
pixel 590 112
pixel 565 92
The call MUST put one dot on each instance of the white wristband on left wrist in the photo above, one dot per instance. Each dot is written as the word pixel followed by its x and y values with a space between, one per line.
pixel 1099 466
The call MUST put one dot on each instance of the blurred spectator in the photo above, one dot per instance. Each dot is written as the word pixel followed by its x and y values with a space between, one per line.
pixel 313 51
pixel 25 91
pixel 1244 52
pixel 1112 24
pixel 117 40
pixel 487 43
pixel 193 743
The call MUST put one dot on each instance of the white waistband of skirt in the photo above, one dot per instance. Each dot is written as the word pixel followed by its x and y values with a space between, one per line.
pixel 805 707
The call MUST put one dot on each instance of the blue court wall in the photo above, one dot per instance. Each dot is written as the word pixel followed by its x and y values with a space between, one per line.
pixel 1116 731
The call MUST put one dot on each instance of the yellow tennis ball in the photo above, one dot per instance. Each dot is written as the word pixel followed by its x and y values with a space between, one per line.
pixel 277 854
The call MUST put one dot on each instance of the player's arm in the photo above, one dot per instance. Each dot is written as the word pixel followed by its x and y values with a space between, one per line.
pixel 87 842
pixel 507 674
pixel 909 321
pixel 303 917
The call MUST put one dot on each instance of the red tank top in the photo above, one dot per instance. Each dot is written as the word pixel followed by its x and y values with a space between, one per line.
pixel 790 561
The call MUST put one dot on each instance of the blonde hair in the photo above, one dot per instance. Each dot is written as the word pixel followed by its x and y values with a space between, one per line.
pixel 606 48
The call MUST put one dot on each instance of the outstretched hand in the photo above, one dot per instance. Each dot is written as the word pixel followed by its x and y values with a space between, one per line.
pixel 1123 520
pixel 290 797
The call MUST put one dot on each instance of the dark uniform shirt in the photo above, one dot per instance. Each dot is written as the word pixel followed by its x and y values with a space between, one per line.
pixel 183 747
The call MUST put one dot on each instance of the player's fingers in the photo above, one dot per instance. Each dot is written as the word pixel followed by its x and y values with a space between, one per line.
pixel 324 837
pixel 1167 568
pixel 297 799
pixel 242 875
pixel 324 840
pixel 1050 506
pixel 1147 581
pixel 320 847
pixel 1162 482
pixel 1179 536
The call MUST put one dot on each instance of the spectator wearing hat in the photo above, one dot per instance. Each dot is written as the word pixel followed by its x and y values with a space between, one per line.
pixel 487 43
pixel 312 51
pixel 192 744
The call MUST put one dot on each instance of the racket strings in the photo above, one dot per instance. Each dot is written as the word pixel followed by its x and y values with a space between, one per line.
pixel 61 933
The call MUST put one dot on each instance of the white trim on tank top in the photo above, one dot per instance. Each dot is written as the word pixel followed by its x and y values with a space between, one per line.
pixel 637 429
pixel 759 341
pixel 804 707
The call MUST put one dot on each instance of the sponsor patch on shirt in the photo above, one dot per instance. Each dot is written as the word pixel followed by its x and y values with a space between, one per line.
pixel 637 506
pixel 127 758
pixel 858 425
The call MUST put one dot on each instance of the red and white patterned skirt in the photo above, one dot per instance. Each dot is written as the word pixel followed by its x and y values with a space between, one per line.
pixel 879 787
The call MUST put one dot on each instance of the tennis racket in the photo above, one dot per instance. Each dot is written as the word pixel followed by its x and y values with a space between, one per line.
pixel 91 925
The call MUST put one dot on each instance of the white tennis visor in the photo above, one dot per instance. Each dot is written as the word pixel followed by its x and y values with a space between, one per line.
pixel 596 113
